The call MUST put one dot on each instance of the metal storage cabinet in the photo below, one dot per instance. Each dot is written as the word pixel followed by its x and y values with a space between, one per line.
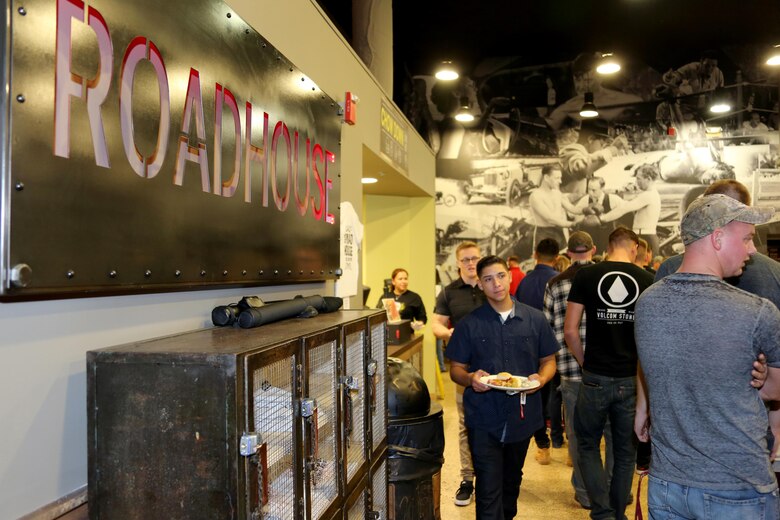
pixel 230 423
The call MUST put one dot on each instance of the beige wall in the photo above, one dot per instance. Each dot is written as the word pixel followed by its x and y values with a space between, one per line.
pixel 399 233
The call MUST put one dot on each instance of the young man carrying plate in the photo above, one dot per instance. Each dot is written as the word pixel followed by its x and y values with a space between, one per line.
pixel 500 336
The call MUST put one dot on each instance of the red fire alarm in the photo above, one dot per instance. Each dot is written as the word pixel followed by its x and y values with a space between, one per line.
pixel 350 110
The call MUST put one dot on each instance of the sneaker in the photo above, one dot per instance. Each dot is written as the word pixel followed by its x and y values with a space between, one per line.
pixel 543 456
pixel 463 496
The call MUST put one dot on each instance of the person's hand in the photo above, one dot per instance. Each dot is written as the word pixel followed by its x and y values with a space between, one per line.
pixel 642 426
pixel 759 372
pixel 476 384
pixel 417 325
pixel 534 377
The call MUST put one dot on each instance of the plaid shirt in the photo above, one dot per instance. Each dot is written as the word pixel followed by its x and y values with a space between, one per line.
pixel 555 295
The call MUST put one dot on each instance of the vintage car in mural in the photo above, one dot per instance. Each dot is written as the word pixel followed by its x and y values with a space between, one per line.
pixel 506 183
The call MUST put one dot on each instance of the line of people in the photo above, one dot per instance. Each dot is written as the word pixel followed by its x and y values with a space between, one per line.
pixel 699 339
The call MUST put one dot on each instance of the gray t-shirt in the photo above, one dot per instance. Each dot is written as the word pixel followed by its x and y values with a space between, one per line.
pixel 697 338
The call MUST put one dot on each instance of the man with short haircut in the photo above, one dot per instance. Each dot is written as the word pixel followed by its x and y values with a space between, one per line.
pixel 453 303
pixel 708 430
pixel 531 292
pixel 606 293
pixel 595 203
pixel 580 249
pixel 500 336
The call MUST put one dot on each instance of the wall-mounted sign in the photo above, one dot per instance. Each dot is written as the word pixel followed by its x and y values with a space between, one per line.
pixel 160 145
pixel 394 138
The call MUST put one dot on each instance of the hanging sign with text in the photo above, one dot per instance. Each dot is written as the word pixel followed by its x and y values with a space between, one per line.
pixel 159 146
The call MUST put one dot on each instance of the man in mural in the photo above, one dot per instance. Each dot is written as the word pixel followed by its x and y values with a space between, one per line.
pixel 606 294
pixel 646 206
pixel 453 303
pixel 549 207
pixel 586 79
pixel 734 479
pixel 595 203
pixel 500 425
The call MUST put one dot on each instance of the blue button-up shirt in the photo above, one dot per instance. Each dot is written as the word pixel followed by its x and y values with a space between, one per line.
pixel 482 341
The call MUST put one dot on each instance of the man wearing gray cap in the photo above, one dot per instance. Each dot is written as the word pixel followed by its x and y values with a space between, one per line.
pixel 697 337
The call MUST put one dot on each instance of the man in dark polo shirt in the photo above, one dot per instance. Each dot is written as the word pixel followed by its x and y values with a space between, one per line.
pixel 453 303
pixel 500 336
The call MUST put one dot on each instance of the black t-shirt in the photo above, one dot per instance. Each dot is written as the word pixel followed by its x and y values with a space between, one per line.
pixel 609 291
pixel 410 303
pixel 457 300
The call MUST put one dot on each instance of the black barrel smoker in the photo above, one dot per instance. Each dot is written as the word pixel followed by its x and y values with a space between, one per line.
pixel 415 445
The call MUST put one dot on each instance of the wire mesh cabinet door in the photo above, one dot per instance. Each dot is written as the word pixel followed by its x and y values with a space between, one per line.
pixel 353 401
pixel 377 505
pixel 355 507
pixel 377 382
pixel 271 444
pixel 320 413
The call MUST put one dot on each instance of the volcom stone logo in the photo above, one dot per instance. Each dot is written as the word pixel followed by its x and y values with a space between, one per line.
pixel 617 290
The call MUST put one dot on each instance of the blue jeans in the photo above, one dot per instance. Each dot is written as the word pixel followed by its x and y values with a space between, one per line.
pixel 602 398
pixel 670 501
pixel 570 389
pixel 498 467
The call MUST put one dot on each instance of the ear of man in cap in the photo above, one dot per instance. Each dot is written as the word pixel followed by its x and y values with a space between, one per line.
pixel 711 212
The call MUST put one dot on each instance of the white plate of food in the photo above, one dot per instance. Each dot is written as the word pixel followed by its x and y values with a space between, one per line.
pixel 507 382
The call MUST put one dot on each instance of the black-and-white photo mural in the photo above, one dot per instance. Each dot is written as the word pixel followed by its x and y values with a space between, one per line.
pixel 530 165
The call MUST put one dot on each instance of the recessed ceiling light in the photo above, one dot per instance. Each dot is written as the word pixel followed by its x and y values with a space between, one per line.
pixel 369 180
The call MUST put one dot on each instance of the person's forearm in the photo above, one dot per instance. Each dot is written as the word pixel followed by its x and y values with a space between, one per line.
pixel 547 371
pixel 574 344
pixel 460 375
pixel 440 331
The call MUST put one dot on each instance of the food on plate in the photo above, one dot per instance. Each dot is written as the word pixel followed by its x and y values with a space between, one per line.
pixel 507 380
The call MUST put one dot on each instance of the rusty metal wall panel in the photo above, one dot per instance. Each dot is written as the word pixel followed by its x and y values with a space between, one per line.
pixel 79 217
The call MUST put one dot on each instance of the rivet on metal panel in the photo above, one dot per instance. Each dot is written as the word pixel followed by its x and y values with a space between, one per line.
pixel 20 98
pixel 229 15
pixel 19 186
pixel 224 273
pixel 289 271
pixel 21 275
pixel 203 273
pixel 148 273
pixel 261 272
pixel 177 273
pixel 243 272
pixel 112 273
pixel 291 69
pixel 276 271
pixel 22 11
pixel 264 45
pixel 278 58
pixel 312 271
pixel 246 31
pixel 70 274
pixel 339 272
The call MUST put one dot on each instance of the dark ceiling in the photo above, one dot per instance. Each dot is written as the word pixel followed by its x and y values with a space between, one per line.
pixel 658 33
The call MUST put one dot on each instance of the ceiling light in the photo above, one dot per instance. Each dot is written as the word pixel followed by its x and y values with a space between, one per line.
pixel 774 58
pixel 369 180
pixel 446 72
pixel 589 109
pixel 464 115
pixel 608 64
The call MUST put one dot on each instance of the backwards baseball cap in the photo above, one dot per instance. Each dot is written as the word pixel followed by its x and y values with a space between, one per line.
pixel 708 213
pixel 580 242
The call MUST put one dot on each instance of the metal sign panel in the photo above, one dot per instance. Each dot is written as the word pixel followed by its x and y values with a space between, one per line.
pixel 151 146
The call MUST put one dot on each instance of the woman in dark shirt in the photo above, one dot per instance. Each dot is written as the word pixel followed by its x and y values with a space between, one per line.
pixel 409 303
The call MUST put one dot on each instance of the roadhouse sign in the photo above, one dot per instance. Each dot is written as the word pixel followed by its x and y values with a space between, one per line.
pixel 157 146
